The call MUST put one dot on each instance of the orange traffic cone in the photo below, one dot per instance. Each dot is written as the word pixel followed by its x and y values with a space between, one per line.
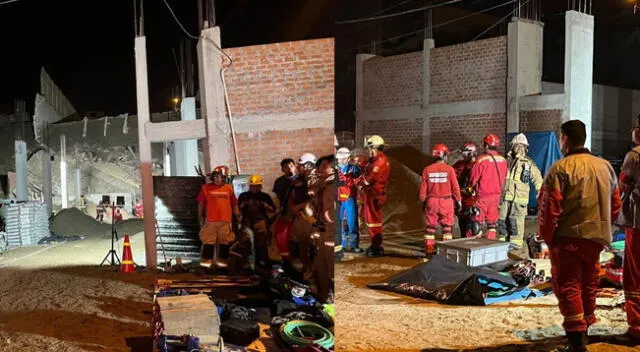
pixel 127 258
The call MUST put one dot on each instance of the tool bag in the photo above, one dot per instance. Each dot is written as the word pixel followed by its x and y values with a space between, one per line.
pixel 239 331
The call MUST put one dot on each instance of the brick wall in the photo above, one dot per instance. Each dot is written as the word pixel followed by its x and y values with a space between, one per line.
pixel 469 71
pixel 454 131
pixel 393 81
pixel 262 152
pixel 397 133
pixel 540 120
pixel 281 78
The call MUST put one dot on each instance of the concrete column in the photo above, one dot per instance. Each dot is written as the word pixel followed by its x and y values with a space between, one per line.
pixel 212 104
pixel 167 167
pixel 578 69
pixel 524 50
pixel 22 174
pixel 186 151
pixel 47 181
pixel 428 44
pixel 64 190
pixel 146 168
pixel 360 59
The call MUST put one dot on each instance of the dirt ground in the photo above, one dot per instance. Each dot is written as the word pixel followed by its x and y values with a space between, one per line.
pixel 57 298
pixel 370 320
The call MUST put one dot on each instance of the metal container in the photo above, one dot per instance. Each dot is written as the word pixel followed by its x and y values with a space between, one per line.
pixel 474 251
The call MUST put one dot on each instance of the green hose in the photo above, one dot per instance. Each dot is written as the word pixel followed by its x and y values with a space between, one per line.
pixel 304 333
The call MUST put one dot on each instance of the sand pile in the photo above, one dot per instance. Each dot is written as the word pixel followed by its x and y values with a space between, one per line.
pixel 72 221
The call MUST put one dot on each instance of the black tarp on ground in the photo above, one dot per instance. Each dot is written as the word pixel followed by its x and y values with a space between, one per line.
pixel 444 281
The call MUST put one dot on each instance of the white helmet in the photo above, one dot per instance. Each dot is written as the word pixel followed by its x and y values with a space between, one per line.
pixel 307 158
pixel 374 141
pixel 343 153
pixel 520 138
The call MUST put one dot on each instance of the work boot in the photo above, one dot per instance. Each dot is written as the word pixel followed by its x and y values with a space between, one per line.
pixel 357 250
pixel 429 244
pixel 373 252
pixel 626 340
pixel 577 342
pixel 492 235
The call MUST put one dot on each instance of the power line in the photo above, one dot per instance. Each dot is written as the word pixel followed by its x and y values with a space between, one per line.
pixel 434 27
pixel 8 2
pixel 500 20
pixel 357 20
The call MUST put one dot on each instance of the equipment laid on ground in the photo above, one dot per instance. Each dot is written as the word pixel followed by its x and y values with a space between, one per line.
pixel 206 285
pixel 114 238
pixel 26 223
pixel 191 315
pixel 474 251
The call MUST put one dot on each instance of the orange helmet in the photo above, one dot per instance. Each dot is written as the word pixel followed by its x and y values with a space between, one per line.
pixel 220 170
pixel 440 151
pixel 492 140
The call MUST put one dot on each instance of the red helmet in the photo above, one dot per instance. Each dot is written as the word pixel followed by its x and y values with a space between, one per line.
pixel 492 140
pixel 440 151
pixel 220 170
pixel 469 150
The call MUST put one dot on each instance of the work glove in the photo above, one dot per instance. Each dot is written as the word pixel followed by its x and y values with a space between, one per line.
pixel 458 206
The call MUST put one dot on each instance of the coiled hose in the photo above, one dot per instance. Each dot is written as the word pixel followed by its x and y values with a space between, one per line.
pixel 304 333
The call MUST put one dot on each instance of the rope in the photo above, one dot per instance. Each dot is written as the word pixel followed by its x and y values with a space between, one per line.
pixel 304 333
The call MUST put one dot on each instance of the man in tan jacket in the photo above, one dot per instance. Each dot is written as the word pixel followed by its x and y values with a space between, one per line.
pixel 578 200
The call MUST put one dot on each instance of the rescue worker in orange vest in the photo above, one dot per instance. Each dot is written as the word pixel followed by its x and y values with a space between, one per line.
pixel 219 200
pixel 439 194
pixel 468 211
pixel 487 179
pixel 373 183
pixel 578 200
pixel 629 219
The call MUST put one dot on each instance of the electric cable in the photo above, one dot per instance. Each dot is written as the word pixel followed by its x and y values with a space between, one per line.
pixel 424 8
pixel 8 2
pixel 304 333
pixel 224 85
pixel 434 27
pixel 500 20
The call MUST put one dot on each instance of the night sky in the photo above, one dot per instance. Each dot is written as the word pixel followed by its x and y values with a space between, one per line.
pixel 87 46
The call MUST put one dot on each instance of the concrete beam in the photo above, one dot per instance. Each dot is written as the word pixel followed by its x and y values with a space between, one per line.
pixel 578 69
pixel 360 59
pixel 472 107
pixel 543 102
pixel 146 168
pixel 212 102
pixel 285 122
pixel 428 45
pixel 173 130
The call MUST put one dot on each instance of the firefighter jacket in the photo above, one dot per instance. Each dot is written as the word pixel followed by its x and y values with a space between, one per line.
pixel 488 174
pixel 439 181
pixel 630 187
pixel 375 177
pixel 579 199
pixel 346 182
pixel 522 172
pixel 463 173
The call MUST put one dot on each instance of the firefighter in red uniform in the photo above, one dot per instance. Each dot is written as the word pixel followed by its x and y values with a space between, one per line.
pixel 467 212
pixel 373 182
pixel 487 177
pixel 439 192
pixel 578 200
pixel 630 220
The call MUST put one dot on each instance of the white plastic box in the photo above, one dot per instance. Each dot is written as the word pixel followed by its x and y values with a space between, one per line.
pixel 474 251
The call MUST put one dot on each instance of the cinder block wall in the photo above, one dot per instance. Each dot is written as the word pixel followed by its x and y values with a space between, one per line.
pixel 291 82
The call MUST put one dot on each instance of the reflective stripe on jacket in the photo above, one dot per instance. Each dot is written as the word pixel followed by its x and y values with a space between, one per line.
pixel 579 198
pixel 515 188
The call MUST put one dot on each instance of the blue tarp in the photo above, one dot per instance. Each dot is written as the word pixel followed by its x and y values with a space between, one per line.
pixel 544 149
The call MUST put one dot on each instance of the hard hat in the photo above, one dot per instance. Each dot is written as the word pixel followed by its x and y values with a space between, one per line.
pixel 520 138
pixel 343 153
pixel 220 170
pixel 492 140
pixel 307 158
pixel 255 180
pixel 440 151
pixel 469 149
pixel 374 141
